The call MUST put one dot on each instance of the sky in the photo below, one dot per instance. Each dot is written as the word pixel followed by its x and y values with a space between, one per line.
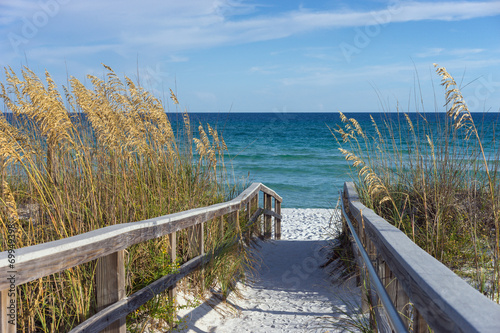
pixel 266 56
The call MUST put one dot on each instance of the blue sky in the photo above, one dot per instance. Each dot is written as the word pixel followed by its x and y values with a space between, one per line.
pixel 265 56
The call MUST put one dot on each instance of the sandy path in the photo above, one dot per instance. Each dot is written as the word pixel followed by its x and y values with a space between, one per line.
pixel 289 292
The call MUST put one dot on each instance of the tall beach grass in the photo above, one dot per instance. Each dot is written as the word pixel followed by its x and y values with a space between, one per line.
pixel 100 154
pixel 437 180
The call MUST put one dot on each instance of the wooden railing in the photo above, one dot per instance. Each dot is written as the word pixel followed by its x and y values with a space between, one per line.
pixel 108 245
pixel 426 294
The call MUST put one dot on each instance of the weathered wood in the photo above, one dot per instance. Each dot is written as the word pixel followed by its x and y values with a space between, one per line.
pixel 48 258
pixel 131 303
pixel 109 244
pixel 110 286
pixel 277 225
pixel 419 324
pixel 254 219
pixel 380 313
pixel 372 293
pixel 248 235
pixel 267 216
pixel 195 240
pixel 221 227
pixel 270 213
pixel 365 285
pixel 237 221
pixel 258 223
pixel 390 284
pixel 446 302
pixel 172 292
pixel 8 311
pixel 403 304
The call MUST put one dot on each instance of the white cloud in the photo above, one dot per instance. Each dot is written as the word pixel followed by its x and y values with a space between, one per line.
pixel 465 52
pixel 176 58
pixel 264 69
pixel 176 26
pixel 436 51
pixel 432 52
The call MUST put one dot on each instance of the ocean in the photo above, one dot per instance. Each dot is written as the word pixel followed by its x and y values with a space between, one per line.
pixel 296 155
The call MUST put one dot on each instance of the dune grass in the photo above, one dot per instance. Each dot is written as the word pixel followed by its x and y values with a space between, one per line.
pixel 102 153
pixel 436 182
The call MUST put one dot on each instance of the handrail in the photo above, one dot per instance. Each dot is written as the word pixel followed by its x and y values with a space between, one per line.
pixel 440 299
pixel 41 260
pixel 131 303
pixel 394 317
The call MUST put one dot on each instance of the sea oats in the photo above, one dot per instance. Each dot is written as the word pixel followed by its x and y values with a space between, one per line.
pixel 410 123
pixel 10 203
pixel 173 97
pixel 358 128
pixel 457 108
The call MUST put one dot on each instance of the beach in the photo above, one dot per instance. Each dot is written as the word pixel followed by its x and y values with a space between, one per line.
pixel 289 291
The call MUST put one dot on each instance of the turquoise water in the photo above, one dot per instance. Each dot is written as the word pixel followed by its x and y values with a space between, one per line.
pixel 295 154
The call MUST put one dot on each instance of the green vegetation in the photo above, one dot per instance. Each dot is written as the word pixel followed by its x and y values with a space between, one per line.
pixel 98 156
pixel 436 183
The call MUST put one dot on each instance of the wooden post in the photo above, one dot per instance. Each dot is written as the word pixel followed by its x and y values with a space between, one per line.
pixel 371 294
pixel 267 218
pixel 172 290
pixel 195 240
pixel 365 287
pixel 236 217
pixel 110 284
pixel 249 215
pixel 390 283
pixel 277 225
pixel 8 311
pixel 256 225
pixel 221 227
pixel 419 324
pixel 403 304
pixel 196 246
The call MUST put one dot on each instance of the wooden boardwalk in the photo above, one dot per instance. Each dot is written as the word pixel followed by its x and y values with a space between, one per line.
pixel 289 292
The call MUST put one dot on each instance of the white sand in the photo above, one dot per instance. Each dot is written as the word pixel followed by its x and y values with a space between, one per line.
pixel 289 292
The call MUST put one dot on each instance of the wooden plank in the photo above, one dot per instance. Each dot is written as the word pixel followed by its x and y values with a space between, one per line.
pixel 267 217
pixel 260 221
pixel 383 324
pixel 172 291
pixel 44 259
pixel 221 227
pixel 8 311
pixel 110 286
pixel 419 324
pixel 254 219
pixel 196 242
pixel 372 293
pixel 248 235
pixel 447 302
pixel 256 224
pixel 270 192
pixel 390 284
pixel 109 243
pixel 236 221
pixel 277 226
pixel 271 213
pixel 403 304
